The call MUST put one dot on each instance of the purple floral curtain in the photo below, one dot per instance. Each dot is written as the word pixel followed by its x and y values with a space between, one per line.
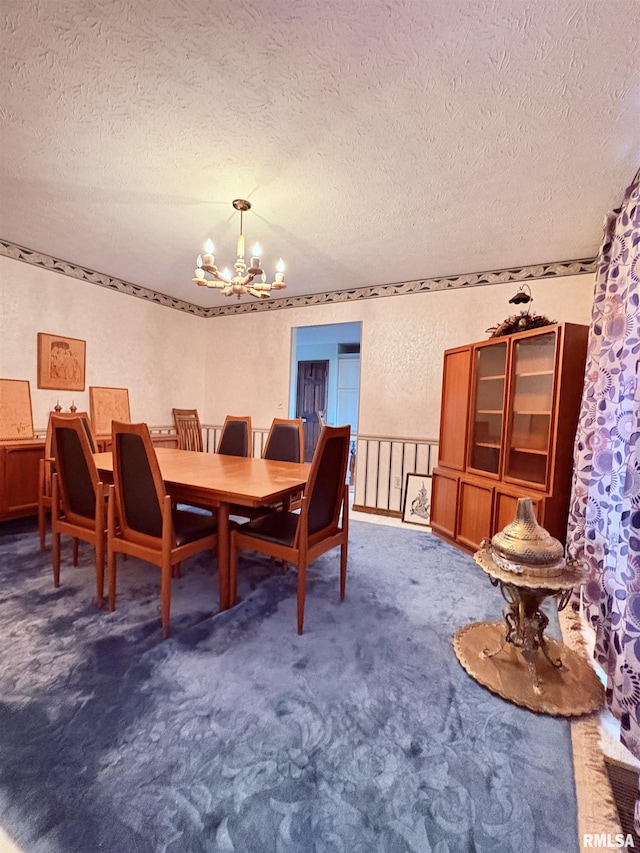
pixel 604 516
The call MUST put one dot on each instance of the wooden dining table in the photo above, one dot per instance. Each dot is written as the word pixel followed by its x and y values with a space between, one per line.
pixel 215 481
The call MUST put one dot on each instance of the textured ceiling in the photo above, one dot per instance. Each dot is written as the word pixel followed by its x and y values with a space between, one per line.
pixel 378 140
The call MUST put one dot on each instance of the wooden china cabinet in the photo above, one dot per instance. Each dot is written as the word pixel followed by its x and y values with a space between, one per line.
pixel 508 419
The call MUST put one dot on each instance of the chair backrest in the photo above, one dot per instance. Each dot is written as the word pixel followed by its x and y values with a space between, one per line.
pixel 49 441
pixel 188 427
pixel 139 487
pixel 76 469
pixel 285 441
pixel 49 445
pixel 325 486
pixel 236 438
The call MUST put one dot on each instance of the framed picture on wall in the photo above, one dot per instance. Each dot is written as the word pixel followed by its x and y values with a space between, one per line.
pixel 61 362
pixel 106 405
pixel 16 420
pixel 417 500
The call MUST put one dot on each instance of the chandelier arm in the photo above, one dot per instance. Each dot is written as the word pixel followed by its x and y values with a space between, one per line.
pixel 247 279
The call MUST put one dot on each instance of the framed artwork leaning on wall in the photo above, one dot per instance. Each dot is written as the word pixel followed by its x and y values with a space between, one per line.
pixel 16 420
pixel 106 405
pixel 417 500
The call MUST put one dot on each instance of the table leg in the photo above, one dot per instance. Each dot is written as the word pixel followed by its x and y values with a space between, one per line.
pixel 526 624
pixel 223 555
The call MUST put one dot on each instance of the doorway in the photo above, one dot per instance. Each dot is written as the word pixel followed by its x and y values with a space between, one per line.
pixel 325 378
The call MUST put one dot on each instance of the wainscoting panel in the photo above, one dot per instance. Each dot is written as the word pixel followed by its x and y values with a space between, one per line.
pixel 382 464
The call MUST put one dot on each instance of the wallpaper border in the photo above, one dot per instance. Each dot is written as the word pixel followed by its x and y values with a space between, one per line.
pixel 426 285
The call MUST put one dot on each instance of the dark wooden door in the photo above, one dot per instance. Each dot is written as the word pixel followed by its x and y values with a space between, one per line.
pixel 311 398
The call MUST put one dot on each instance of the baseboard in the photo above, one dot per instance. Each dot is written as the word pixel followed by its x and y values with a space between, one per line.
pixel 389 513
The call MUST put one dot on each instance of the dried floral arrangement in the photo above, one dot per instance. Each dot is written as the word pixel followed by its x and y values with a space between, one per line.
pixel 519 323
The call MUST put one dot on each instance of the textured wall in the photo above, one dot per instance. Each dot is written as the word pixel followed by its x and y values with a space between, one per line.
pixel 240 364
pixel 154 352
pixel 403 339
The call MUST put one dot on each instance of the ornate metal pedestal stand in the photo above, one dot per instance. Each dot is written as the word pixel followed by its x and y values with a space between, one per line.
pixel 515 659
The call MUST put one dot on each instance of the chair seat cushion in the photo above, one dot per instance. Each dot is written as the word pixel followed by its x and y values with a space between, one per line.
pixel 191 526
pixel 275 527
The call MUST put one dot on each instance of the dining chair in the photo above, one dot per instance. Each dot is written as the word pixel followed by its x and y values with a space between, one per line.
pixel 284 443
pixel 47 467
pixel 142 522
pixel 236 437
pixel 302 537
pixel 187 424
pixel 285 440
pixel 77 497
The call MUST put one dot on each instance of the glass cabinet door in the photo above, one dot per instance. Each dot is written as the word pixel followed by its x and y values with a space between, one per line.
pixel 531 409
pixel 488 408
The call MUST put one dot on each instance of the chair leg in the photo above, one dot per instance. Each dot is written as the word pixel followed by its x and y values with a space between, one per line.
pixel 75 550
pixel 112 566
pixel 233 570
pixel 42 526
pixel 42 518
pixel 302 589
pixel 165 595
pixel 99 571
pixel 343 569
pixel 112 570
pixel 55 557
pixel 55 533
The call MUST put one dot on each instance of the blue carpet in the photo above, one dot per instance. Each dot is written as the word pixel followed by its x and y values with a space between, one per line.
pixel 365 734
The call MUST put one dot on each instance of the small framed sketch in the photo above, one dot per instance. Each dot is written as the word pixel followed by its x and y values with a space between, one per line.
pixel 61 362
pixel 106 405
pixel 417 500
pixel 15 409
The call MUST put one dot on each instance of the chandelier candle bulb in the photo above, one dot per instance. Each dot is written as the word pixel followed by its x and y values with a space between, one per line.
pixel 208 257
pixel 280 273
pixel 199 273
pixel 255 260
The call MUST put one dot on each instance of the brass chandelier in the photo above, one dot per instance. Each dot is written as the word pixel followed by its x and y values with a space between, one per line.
pixel 244 279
